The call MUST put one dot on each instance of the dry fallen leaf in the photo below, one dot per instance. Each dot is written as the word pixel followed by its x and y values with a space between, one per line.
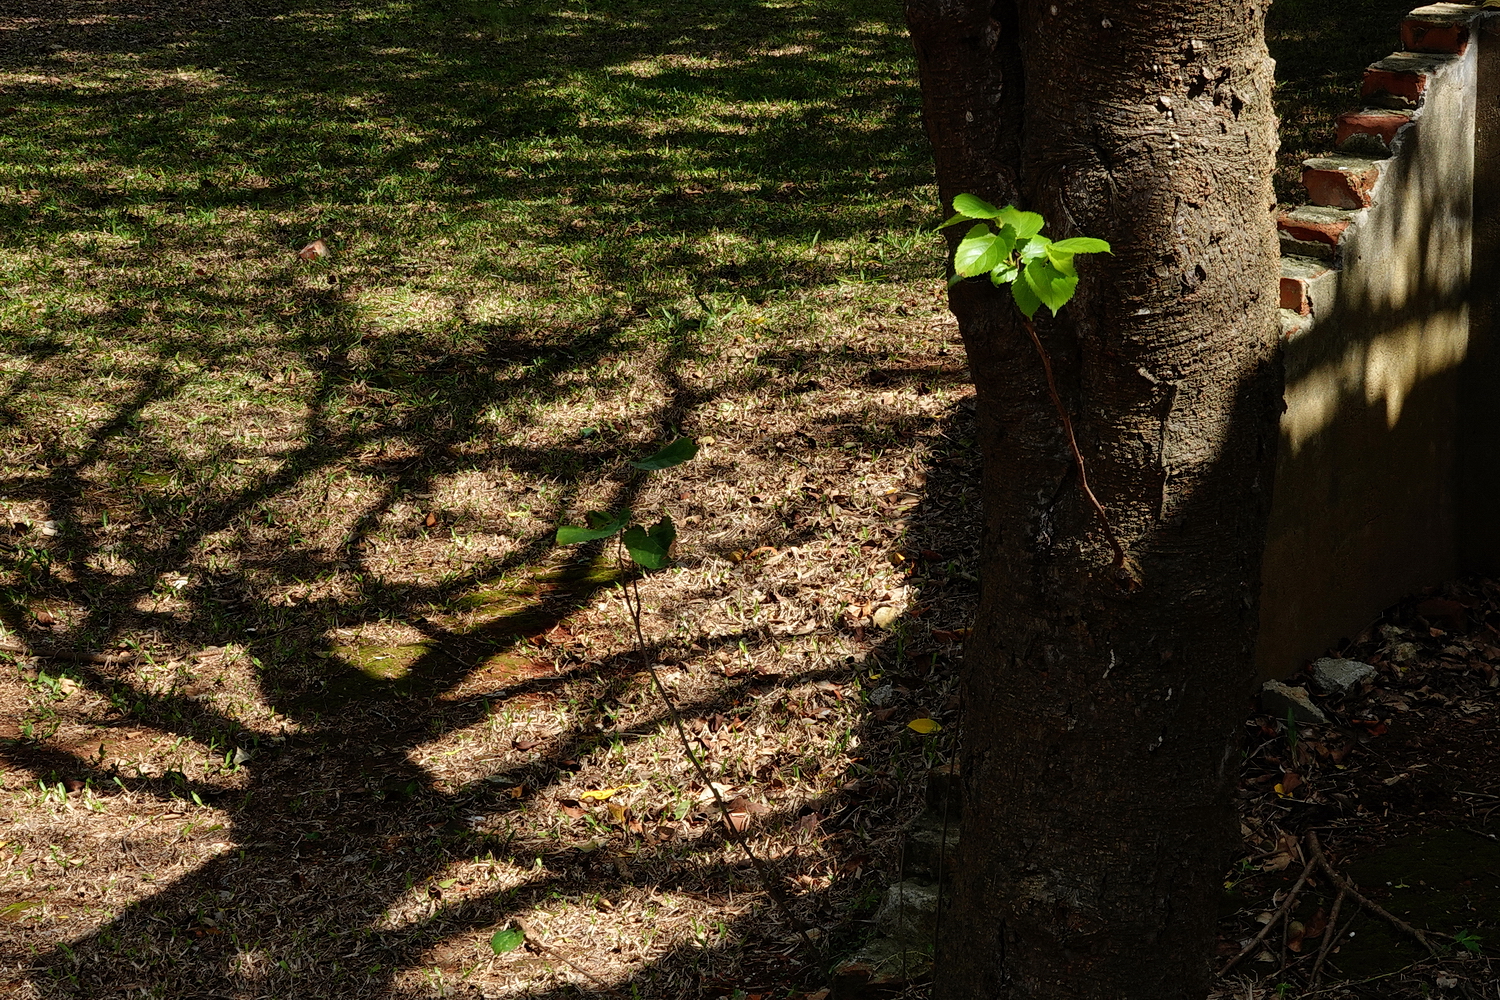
pixel 316 250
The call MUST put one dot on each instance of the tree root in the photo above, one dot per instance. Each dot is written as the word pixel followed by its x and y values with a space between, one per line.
pixel 1345 886
pixel 1329 936
pixel 1346 889
pixel 1282 911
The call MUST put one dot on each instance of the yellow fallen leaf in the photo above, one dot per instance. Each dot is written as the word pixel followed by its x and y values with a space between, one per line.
pixel 923 726
pixel 600 794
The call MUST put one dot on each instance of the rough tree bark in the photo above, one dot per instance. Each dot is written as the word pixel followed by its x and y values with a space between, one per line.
pixel 1101 701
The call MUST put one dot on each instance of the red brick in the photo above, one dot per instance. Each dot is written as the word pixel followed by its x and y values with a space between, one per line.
pixel 1294 296
pixel 1419 35
pixel 1313 232
pixel 1339 188
pixel 1404 84
pixel 1373 123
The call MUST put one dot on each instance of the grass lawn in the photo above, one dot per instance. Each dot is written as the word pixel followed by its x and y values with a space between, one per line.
pixel 318 317
pixel 314 498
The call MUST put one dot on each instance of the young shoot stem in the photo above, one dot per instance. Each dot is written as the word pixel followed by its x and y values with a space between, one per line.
pixel 1067 423
pixel 632 594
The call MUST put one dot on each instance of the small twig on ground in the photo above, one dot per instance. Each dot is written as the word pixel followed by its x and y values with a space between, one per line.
pixel 1331 935
pixel 1067 422
pixel 1286 907
pixel 1346 886
pixel 633 605
pixel 12 646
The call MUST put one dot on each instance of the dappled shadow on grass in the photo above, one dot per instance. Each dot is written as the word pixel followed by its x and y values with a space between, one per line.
pixel 337 822
pixel 608 138
pixel 316 498
pixel 334 826
pixel 323 821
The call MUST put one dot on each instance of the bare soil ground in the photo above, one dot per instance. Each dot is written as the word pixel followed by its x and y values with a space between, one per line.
pixel 1402 788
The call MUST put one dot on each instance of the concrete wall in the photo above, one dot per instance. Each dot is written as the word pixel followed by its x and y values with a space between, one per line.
pixel 1376 318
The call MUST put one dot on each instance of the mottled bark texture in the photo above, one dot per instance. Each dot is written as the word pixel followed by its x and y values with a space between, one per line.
pixel 1101 705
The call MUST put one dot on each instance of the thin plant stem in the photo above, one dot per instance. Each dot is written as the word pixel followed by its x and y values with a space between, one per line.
pixel 633 604
pixel 1067 423
pixel 937 918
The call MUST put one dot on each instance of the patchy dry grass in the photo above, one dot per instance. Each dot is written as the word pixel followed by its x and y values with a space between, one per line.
pixel 358 694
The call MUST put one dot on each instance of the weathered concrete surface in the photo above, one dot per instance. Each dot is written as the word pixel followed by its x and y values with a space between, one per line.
pixel 1365 502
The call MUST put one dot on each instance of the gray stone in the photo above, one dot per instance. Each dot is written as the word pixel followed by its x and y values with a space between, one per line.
pixel 883 695
pixel 1338 676
pixel 927 847
pixel 908 913
pixel 1277 699
pixel 880 969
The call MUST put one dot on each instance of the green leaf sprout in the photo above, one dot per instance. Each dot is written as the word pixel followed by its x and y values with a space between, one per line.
pixel 1038 271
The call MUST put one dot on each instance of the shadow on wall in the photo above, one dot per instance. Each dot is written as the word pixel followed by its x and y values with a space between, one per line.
pixel 1377 278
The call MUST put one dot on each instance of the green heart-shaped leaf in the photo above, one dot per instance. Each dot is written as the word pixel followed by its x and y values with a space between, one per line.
pixel 1033 247
pixel 980 251
pixel 1026 299
pixel 971 207
pixel 1005 274
pixel 1082 244
pixel 676 453
pixel 1025 223
pixel 651 548
pixel 506 940
pixel 1051 286
pixel 1062 260
pixel 601 525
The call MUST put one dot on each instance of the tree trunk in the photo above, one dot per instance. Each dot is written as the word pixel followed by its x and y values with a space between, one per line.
pixel 1102 702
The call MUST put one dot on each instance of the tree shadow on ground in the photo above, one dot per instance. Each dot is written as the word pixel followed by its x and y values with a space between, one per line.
pixel 275 126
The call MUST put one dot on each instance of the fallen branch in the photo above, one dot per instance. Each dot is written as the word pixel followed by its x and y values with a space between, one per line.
pixel 1330 935
pixel 1276 918
pixel 104 659
pixel 1345 886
